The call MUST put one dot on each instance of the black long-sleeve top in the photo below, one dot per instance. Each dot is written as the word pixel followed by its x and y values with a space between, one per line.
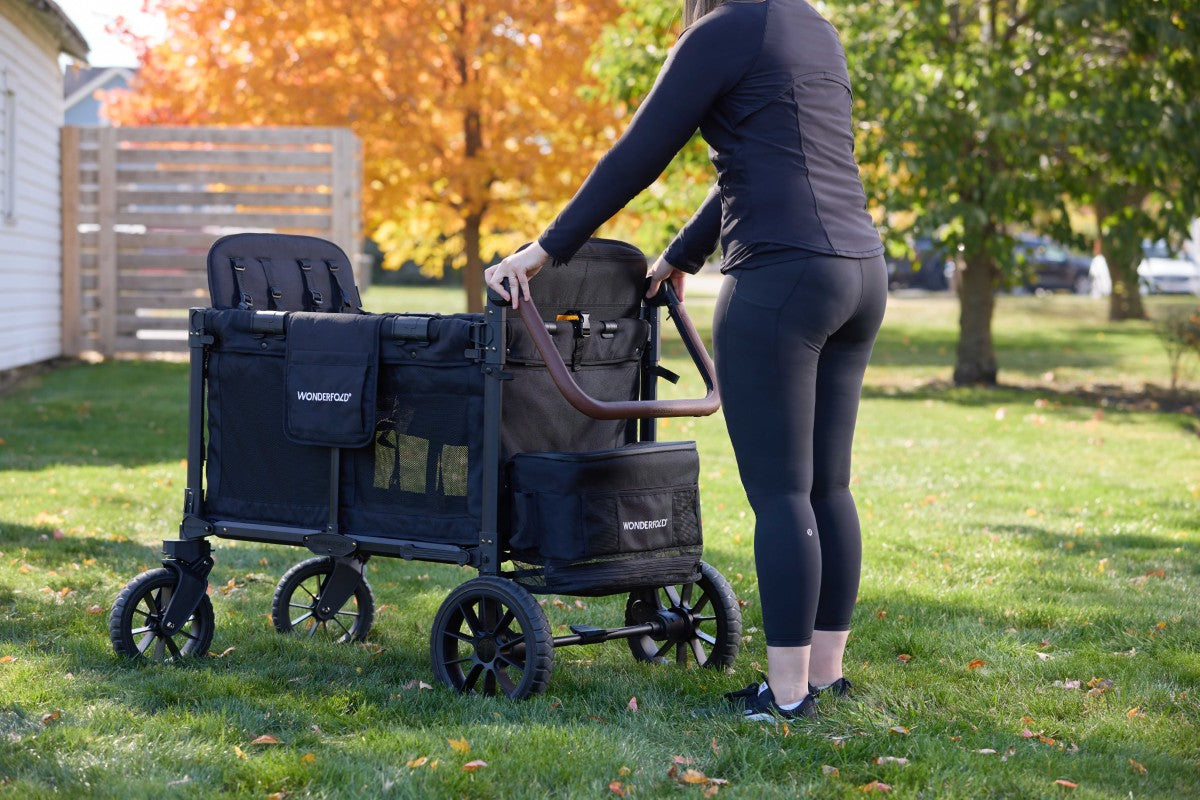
pixel 766 83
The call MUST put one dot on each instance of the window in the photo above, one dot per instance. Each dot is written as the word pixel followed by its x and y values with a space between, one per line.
pixel 8 149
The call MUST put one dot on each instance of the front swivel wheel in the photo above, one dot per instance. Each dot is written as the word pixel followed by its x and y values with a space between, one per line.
pixel 491 636
pixel 294 607
pixel 135 622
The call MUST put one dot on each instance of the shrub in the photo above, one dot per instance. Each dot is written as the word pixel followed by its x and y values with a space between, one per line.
pixel 1179 332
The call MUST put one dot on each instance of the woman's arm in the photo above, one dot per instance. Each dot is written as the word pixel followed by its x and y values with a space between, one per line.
pixel 709 58
pixel 697 240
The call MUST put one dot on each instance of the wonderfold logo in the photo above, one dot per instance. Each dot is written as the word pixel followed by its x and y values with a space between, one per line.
pixel 324 397
pixel 645 524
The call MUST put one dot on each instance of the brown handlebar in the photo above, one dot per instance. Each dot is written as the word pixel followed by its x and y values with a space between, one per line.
pixel 628 409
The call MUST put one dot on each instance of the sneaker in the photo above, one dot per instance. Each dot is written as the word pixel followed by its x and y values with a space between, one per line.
pixel 763 708
pixel 839 688
pixel 743 696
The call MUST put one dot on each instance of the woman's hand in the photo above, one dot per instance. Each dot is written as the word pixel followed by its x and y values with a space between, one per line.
pixel 518 268
pixel 663 271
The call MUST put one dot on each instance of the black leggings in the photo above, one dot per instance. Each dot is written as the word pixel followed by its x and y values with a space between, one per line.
pixel 791 342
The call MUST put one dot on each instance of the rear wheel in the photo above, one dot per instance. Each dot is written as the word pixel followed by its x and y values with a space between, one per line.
pixel 713 630
pixel 134 626
pixel 490 636
pixel 294 607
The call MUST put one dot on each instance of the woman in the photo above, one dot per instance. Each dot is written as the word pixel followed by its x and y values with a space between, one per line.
pixel 766 83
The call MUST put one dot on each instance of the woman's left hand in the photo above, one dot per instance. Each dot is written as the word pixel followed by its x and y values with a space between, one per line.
pixel 663 271
pixel 518 268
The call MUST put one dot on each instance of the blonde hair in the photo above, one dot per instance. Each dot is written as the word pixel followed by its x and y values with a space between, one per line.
pixel 695 9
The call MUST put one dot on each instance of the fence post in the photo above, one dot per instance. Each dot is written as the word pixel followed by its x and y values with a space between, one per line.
pixel 344 211
pixel 72 288
pixel 106 278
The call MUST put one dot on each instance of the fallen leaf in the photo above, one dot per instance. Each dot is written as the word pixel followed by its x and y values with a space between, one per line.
pixel 716 748
pixel 904 658
pixel 1067 783
pixel 1044 656
pixel 693 776
pixel 277 795
pixel 881 760
pixel 239 752
pixel 266 738
pixel 624 772
pixel 1136 711
pixel 1046 739
pixel 615 788
pixel 420 761
pixel 786 730
pixel 839 741
pixel 10 659
pixel 975 663
pixel 53 716
pixel 223 653
pixel 683 761
pixel 1027 734
pixel 875 786
pixel 1140 769
pixel 986 751
pixel 308 758
pixel 95 610
pixel 1067 684
pixel 632 704
pixel 900 729
pixel 459 745
pixel 828 770
pixel 471 766
pixel 712 790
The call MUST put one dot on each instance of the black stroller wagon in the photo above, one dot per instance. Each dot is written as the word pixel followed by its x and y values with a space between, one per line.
pixel 526 451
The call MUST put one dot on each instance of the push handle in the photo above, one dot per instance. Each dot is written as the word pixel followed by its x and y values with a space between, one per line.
pixel 626 409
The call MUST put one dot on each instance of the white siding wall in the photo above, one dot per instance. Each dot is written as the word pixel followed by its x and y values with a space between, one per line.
pixel 31 241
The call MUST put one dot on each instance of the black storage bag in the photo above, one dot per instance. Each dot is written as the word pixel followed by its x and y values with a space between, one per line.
pixel 332 371
pixel 606 521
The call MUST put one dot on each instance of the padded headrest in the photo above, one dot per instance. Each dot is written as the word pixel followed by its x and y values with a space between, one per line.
pixel 606 279
pixel 281 272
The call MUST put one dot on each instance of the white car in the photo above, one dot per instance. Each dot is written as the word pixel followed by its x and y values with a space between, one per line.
pixel 1164 272
pixel 1161 272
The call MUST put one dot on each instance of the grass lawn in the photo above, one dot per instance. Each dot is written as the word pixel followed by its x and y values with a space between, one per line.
pixel 1027 624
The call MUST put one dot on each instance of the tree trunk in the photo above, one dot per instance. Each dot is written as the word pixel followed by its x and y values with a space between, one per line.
pixel 1123 254
pixel 473 277
pixel 976 357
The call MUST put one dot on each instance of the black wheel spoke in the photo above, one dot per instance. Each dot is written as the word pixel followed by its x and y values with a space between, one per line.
pixel 701 603
pixel 139 631
pixel 672 595
pixel 662 651
pixel 489 681
pixel 172 647
pixel 160 648
pixel 343 627
pixel 704 637
pixel 144 644
pixel 312 631
pixel 296 622
pixel 700 619
pixel 469 617
pixel 681 654
pixel 503 625
pixel 698 652
pixel 687 594
pixel 512 662
pixel 462 637
pixel 506 683
pixel 472 676
pixel 308 607
pixel 462 660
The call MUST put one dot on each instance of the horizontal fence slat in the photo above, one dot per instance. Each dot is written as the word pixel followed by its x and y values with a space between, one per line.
pixel 291 159
pixel 225 134
pixel 194 219
pixel 132 301
pixel 154 197
pixel 127 323
pixel 185 179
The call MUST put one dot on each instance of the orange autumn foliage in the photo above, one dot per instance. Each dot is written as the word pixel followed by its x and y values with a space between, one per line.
pixel 476 116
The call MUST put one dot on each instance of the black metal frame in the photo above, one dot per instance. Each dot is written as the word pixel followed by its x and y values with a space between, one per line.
pixel 189 556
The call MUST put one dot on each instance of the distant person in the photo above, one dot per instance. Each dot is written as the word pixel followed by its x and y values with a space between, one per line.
pixel 1098 275
pixel 803 298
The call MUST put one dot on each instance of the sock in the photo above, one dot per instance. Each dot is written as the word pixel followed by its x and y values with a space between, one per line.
pixel 795 705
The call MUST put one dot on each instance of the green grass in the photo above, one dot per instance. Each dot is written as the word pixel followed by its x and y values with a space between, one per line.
pixel 1030 527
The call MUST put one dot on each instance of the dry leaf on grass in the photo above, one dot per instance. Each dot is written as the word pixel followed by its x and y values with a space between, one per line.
pixel 308 758
pixel 1140 769
pixel 899 760
pixel 53 716
pixel 266 738
pixel 459 745
pixel 632 704
pixel 976 663
pixel 900 729
pixel 615 788
pixel 875 786
pixel 904 658
pixel 471 766
pixel 10 659
pixel 419 761
pixel 1068 784
pixel 828 770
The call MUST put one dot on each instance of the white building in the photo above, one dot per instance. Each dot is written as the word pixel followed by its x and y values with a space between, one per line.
pixel 33 33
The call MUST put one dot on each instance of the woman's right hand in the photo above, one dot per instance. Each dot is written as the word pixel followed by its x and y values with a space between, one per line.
pixel 663 271
pixel 518 269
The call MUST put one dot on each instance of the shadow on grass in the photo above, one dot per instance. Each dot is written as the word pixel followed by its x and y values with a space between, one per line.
pixel 1108 397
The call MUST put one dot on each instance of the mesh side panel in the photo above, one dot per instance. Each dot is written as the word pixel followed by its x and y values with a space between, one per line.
pixel 612 574
pixel 538 419
pixel 254 472
pixel 422 476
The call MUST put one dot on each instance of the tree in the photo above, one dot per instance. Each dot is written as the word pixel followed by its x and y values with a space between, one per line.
pixel 1127 90
pixel 952 140
pixel 473 114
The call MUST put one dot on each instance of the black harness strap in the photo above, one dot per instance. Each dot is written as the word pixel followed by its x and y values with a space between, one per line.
pixel 275 294
pixel 245 301
pixel 333 273
pixel 314 298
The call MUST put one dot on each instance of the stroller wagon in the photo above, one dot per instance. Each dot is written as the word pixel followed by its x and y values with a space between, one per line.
pixel 526 451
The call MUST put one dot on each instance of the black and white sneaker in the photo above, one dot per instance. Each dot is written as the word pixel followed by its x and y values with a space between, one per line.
pixel 763 708
pixel 839 688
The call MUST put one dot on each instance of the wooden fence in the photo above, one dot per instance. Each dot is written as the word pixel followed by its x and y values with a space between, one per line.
pixel 141 206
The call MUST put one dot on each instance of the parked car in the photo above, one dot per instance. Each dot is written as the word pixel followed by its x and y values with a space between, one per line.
pixel 1052 266
pixel 1161 272
pixel 927 271
pixel 1165 272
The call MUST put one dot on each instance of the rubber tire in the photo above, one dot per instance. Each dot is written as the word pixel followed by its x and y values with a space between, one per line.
pixel 446 639
pixel 726 620
pixel 130 602
pixel 281 611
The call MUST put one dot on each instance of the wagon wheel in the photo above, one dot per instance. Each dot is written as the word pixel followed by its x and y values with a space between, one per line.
pixel 490 636
pixel 715 633
pixel 133 625
pixel 294 607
